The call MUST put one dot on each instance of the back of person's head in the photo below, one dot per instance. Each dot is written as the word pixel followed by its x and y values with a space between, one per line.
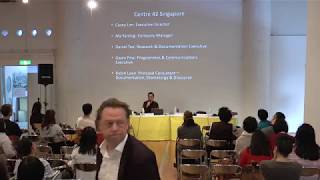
pixel 250 124
pixel 225 114
pixel 87 109
pixel 260 145
pixel 36 108
pixel 6 110
pixel 23 147
pixel 263 114
pixel 88 141
pixel 284 145
pixel 280 125
pixel 30 168
pixel 4 175
pixel 306 146
pixel 151 93
pixel 49 118
pixel 188 119
pixel 279 115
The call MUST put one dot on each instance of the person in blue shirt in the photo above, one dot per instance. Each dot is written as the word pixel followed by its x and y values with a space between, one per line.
pixel 263 116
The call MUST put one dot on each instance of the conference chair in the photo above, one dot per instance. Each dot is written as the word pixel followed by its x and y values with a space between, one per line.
pixel 10 165
pixel 251 172
pixel 43 151
pixel 223 171
pixel 86 167
pixel 217 156
pixel 309 172
pixel 186 144
pixel 193 172
pixel 32 137
pixel 66 152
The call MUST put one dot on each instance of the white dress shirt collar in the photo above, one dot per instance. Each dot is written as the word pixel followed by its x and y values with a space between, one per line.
pixel 119 147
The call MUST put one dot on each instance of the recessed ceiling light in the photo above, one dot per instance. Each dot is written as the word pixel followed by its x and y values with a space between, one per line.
pixel 4 33
pixel 92 4
pixel 19 32
pixel 34 33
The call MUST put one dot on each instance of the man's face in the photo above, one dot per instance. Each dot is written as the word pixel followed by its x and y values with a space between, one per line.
pixel 114 124
pixel 150 97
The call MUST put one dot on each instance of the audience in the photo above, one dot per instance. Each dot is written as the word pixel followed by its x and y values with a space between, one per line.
pixel 306 151
pixel 36 115
pixel 280 126
pixel 52 131
pixel 85 152
pixel 30 168
pixel 281 167
pixel 25 148
pixel 270 130
pixel 258 150
pixel 6 147
pixel 4 175
pixel 189 129
pixel 12 129
pixel 223 130
pixel 249 125
pixel 85 120
pixel 263 116
pixel 120 155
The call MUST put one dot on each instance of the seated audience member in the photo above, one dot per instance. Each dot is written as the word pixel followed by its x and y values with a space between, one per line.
pixel 6 147
pixel 4 175
pixel 249 125
pixel 281 168
pixel 85 153
pixel 280 126
pixel 258 150
pixel 306 151
pixel 263 116
pixel 30 168
pixel 36 115
pixel 223 130
pixel 150 103
pixel 85 120
pixel 189 129
pixel 268 131
pixel 26 148
pixel 52 131
pixel 12 129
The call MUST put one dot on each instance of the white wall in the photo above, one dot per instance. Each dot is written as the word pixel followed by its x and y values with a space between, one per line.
pixel 312 102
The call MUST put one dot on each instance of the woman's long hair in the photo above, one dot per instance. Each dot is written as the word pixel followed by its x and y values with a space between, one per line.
pixel 306 146
pixel 36 108
pixel 49 118
pixel 88 141
pixel 260 145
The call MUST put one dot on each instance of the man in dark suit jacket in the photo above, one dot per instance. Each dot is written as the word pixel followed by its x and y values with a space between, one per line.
pixel 150 103
pixel 121 156
pixel 12 129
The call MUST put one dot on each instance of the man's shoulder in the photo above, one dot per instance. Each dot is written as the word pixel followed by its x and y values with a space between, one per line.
pixel 138 148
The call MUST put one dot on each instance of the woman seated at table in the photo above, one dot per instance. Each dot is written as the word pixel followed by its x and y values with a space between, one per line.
pixel 223 130
pixel 258 150
pixel 189 129
pixel 85 153
pixel 25 148
pixel 52 132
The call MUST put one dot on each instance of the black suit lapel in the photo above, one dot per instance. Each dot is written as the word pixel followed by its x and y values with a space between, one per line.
pixel 124 159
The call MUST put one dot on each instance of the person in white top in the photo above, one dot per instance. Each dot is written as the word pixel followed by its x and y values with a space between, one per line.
pixel 85 153
pixel 121 156
pixel 85 120
pixel 6 147
pixel 26 148
pixel 250 124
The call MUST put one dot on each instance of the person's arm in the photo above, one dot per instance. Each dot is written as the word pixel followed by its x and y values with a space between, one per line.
pixel 150 169
pixel 156 105
pixel 244 158
pixel 8 148
pixel 48 171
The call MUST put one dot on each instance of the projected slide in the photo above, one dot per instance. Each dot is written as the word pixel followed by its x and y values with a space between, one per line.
pixel 154 40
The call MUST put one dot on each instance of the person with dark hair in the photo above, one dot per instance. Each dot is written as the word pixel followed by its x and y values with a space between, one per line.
pixel 86 120
pixel 223 130
pixel 52 132
pixel 12 129
pixel 306 151
pixel 263 116
pixel 258 150
pixel 120 155
pixel 189 129
pixel 281 167
pixel 150 103
pixel 85 152
pixel 25 148
pixel 4 175
pixel 36 115
pixel 280 126
pixel 30 168
pixel 250 125
pixel 6 147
